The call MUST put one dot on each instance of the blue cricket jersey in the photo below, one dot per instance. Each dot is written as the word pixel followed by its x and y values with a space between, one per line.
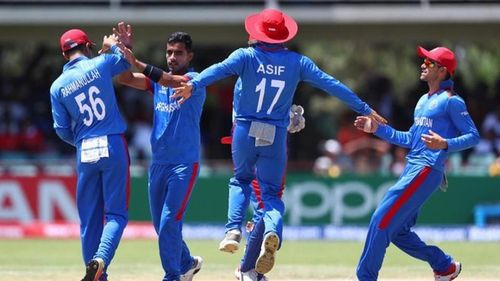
pixel 269 77
pixel 176 128
pixel 445 114
pixel 83 98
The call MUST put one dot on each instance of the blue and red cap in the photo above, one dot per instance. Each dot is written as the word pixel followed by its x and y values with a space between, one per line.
pixel 73 38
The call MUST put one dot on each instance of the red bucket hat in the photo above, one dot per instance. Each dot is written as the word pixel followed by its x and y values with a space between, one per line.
pixel 271 26
pixel 73 38
pixel 441 55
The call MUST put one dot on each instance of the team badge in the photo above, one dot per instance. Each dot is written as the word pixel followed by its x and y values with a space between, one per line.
pixel 433 104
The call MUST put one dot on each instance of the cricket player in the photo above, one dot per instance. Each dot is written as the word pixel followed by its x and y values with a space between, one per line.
pixel 86 115
pixel 269 75
pixel 241 197
pixel 442 125
pixel 175 143
pixel 239 202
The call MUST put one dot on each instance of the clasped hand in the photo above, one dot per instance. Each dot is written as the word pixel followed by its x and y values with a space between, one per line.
pixel 434 140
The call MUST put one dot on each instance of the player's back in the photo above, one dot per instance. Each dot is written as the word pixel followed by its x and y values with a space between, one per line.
pixel 269 79
pixel 85 91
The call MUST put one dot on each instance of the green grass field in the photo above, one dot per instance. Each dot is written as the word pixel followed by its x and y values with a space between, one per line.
pixel 137 260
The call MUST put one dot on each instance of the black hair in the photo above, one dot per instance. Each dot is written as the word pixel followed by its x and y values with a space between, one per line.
pixel 181 37
pixel 80 48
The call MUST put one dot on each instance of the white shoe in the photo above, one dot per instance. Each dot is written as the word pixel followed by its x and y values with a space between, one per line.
pixel 250 275
pixel 231 242
pixel 450 274
pixel 249 226
pixel 265 261
pixel 188 276
pixel 237 273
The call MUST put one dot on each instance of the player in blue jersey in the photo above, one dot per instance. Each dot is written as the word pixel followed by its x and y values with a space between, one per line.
pixel 269 75
pixel 441 126
pixel 240 197
pixel 175 143
pixel 86 115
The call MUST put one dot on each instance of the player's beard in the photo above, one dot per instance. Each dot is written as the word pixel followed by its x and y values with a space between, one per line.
pixel 172 67
pixel 177 70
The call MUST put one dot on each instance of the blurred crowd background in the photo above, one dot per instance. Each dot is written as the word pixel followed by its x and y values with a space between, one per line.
pixel 329 144
pixel 385 73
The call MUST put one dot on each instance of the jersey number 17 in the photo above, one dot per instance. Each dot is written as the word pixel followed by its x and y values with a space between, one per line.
pixel 261 89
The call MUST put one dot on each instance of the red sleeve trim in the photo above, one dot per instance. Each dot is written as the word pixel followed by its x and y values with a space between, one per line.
pixel 148 86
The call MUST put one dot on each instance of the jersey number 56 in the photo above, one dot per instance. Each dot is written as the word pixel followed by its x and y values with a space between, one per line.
pixel 96 108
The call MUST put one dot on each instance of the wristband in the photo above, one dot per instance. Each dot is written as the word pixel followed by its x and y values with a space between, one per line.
pixel 154 73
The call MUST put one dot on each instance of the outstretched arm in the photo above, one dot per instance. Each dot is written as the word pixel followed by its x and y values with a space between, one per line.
pixel 148 72
pixel 311 73
pixel 135 80
pixel 230 66
pixel 158 75
pixel 140 80
pixel 384 131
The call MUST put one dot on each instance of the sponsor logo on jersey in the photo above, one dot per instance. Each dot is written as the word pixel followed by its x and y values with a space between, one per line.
pixel 167 107
pixel 423 121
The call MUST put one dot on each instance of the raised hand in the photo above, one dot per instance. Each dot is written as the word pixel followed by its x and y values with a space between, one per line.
pixel 183 92
pixel 107 42
pixel 124 33
pixel 127 53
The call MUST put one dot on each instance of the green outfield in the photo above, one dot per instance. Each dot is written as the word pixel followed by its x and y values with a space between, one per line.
pixel 137 260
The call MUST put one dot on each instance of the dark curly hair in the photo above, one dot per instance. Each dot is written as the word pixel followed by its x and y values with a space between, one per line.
pixel 181 37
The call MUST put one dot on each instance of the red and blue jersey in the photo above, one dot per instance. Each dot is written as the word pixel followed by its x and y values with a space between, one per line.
pixel 269 77
pixel 176 128
pixel 444 113
pixel 83 98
